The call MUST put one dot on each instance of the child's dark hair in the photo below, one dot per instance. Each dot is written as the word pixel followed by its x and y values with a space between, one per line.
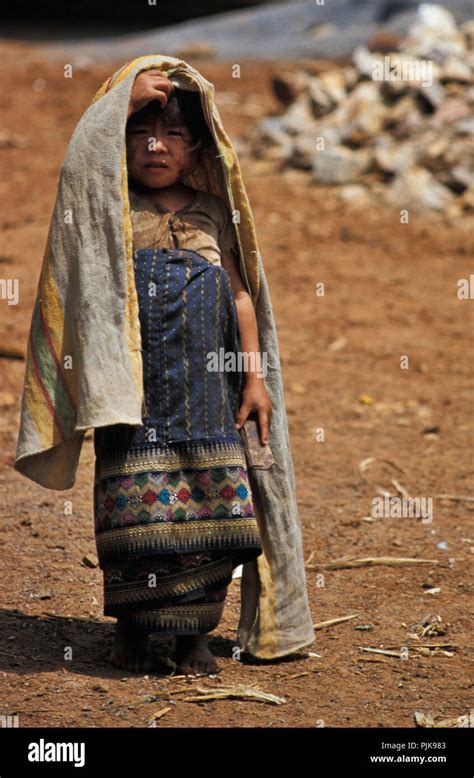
pixel 182 108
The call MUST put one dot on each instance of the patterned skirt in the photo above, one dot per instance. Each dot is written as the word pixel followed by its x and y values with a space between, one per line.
pixel 173 507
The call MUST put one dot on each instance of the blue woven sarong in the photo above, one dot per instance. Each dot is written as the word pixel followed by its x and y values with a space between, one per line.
pixel 172 501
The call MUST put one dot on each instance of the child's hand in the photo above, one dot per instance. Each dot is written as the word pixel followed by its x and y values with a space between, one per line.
pixel 255 398
pixel 149 85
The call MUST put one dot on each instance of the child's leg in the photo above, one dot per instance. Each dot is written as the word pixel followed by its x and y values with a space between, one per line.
pixel 192 652
pixel 194 655
pixel 131 649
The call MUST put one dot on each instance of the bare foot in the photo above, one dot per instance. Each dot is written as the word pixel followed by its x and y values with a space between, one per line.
pixel 193 655
pixel 131 649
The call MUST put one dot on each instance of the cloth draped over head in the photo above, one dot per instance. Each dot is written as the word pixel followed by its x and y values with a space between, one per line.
pixel 84 364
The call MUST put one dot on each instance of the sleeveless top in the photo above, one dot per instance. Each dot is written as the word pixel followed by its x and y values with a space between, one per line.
pixel 205 225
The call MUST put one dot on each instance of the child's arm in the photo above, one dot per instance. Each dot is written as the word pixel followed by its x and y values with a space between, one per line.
pixel 149 85
pixel 255 397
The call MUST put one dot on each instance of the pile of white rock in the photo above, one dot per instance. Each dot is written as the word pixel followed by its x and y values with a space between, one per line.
pixel 397 124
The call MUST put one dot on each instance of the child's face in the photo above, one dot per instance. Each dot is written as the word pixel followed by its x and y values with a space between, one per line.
pixel 158 154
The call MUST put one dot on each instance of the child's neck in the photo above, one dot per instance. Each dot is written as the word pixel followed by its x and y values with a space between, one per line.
pixel 173 197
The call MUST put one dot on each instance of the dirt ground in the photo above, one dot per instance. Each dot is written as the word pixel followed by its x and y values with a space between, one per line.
pixel 390 291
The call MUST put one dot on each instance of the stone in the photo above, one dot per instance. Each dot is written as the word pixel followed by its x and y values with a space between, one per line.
pixel 302 152
pixel 334 84
pixel 269 140
pixel 366 61
pixel 305 146
pixel 451 110
pixel 362 115
pixel 403 118
pixel 366 124
pixel 461 152
pixel 466 200
pixel 356 194
pixel 418 190
pixel 320 101
pixel 465 126
pixel 287 86
pixel 298 118
pixel 384 41
pixel 410 126
pixel 432 152
pixel 463 175
pixel 467 29
pixel 455 69
pixel 395 157
pixel 339 165
pixel 351 77
pixel 434 34
pixel 434 94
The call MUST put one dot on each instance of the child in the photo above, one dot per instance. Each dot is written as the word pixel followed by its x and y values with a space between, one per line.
pixel 147 276
pixel 182 241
